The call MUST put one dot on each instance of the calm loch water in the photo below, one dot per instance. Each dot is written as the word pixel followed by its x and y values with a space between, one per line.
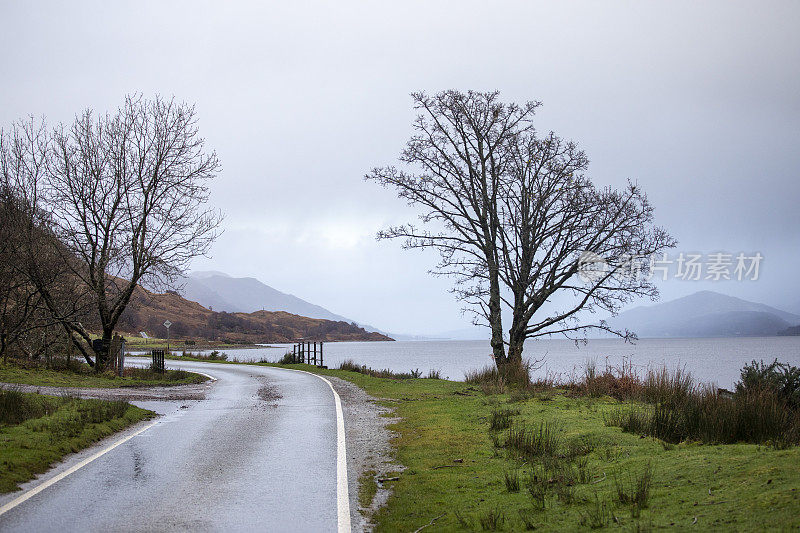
pixel 709 360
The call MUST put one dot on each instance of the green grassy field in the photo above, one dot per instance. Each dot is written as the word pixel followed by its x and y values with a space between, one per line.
pixel 37 431
pixel 456 468
pixel 81 375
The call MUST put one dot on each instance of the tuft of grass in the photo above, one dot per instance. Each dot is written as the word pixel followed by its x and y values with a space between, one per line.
pixel 532 442
pixel 501 419
pixel 598 515
pixel 537 486
pixel 213 355
pixel 351 366
pixel 492 519
pixel 367 488
pixel 434 374
pixel 512 481
pixel 529 519
pixel 706 415
pixel 638 491
pixel 287 359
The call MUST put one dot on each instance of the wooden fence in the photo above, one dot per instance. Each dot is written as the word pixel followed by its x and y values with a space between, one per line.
pixel 158 360
pixel 306 352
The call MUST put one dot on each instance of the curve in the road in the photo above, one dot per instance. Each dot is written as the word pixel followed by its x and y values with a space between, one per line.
pixel 233 386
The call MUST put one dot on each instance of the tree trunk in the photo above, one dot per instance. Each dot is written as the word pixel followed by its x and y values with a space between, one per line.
pixel 101 355
pixel 3 347
pixel 514 370
pixel 496 321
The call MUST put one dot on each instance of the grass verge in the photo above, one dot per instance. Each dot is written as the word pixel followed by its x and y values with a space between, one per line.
pixel 37 430
pixel 80 374
pixel 573 471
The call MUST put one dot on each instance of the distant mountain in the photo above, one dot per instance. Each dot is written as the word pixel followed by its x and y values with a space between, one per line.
pixel 190 320
pixel 705 314
pixel 221 292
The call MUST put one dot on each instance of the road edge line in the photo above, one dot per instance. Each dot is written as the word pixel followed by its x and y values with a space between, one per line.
pixel 55 479
pixel 342 488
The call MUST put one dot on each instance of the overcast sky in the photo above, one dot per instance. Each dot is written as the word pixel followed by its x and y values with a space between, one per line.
pixel 698 101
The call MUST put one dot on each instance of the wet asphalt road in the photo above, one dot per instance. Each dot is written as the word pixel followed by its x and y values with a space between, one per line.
pixel 259 454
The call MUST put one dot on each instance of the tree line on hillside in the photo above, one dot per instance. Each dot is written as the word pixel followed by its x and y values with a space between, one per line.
pixel 91 210
pixel 242 327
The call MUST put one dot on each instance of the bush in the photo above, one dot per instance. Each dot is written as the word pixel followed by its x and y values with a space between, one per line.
pixel 17 407
pixel 780 378
pixel 287 359
pixel 757 416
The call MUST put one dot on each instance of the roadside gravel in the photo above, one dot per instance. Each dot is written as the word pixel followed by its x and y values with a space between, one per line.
pixel 368 447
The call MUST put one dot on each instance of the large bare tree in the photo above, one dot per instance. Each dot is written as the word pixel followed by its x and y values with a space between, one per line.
pixel 514 218
pixel 126 195
pixel 38 293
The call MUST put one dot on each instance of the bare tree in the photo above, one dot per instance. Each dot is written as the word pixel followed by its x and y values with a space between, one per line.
pixel 460 155
pixel 513 218
pixel 32 260
pixel 560 234
pixel 126 197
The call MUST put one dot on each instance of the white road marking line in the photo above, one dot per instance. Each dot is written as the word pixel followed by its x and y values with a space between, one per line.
pixel 342 494
pixel 55 479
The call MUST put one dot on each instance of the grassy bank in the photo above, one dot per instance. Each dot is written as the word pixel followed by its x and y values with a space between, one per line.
pixel 37 431
pixel 137 343
pixel 79 374
pixel 549 460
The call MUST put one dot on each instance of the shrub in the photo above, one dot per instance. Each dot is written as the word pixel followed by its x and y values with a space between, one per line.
pixel 287 359
pixel 781 378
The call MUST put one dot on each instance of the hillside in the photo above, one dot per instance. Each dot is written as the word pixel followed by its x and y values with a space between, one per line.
pixel 148 311
pixel 705 314
pixel 792 331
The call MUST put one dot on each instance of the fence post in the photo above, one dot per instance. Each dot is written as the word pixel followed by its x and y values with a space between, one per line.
pixel 320 354
pixel 121 357
pixel 315 353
